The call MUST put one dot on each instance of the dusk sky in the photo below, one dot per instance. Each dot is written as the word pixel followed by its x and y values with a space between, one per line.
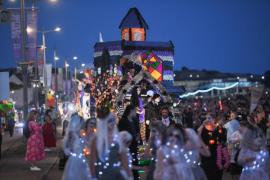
pixel 224 35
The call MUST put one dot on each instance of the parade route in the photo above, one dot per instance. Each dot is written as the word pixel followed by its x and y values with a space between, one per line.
pixel 15 140
pixel 13 165
pixel 134 90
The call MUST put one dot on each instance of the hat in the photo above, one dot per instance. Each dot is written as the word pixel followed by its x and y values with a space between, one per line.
pixel 150 93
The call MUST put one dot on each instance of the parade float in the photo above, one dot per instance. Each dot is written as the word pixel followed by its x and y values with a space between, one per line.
pixel 134 63
pixel 123 67
pixel 84 101
pixel 131 60
pixel 134 52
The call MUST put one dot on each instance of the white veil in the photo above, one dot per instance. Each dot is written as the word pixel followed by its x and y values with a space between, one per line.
pixel 72 133
pixel 102 136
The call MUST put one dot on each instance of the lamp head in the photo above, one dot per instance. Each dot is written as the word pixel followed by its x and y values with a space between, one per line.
pixel 57 29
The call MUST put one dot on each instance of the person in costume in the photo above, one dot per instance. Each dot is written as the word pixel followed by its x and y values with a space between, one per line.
pixel 151 111
pixel 130 123
pixel 68 110
pixel 157 133
pixel 77 164
pixel 126 139
pixel 90 129
pixel 253 156
pixel 171 162
pixel 49 133
pixel 207 132
pixel 35 143
pixel 108 157
pixel 195 147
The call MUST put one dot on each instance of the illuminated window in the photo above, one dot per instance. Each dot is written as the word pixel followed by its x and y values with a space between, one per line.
pixel 125 34
pixel 137 36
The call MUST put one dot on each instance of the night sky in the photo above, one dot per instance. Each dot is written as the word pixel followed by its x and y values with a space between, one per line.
pixel 224 35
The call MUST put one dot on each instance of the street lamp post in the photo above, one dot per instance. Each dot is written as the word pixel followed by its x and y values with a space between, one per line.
pixel 66 66
pixel 44 32
pixel 57 29
pixel 56 58
pixel 24 64
pixel 66 79
pixel 35 89
pixel 82 65
pixel 44 59
pixel 75 58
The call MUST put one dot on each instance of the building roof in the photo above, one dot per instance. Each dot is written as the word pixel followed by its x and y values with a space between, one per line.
pixel 173 89
pixel 133 19
pixel 110 45
pixel 148 44
pixel 134 45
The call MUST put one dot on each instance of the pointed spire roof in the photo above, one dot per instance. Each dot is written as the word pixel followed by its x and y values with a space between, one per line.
pixel 133 19
pixel 100 37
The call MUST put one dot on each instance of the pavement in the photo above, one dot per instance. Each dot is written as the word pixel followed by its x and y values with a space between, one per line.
pixel 10 142
pixel 14 167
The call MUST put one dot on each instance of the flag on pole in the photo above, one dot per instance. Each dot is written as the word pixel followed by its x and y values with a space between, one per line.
pixel 4 88
pixel 49 75
pixel 60 77
pixel 16 33
pixel 31 36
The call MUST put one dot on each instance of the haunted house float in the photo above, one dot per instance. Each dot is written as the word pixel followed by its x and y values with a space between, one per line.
pixel 151 60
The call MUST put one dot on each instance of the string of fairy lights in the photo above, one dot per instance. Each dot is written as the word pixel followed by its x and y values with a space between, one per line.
pixel 208 90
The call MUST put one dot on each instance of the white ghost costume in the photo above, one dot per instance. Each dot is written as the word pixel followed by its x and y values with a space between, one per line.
pixel 77 164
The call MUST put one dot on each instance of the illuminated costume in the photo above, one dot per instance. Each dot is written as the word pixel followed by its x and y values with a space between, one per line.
pixel 193 155
pixel 173 165
pixel 108 165
pixel 255 169
pixel 253 156
pixel 213 165
pixel 77 165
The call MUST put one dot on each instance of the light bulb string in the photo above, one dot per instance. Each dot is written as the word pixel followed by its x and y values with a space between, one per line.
pixel 258 162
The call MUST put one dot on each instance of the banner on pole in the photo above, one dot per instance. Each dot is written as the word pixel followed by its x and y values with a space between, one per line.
pixel 31 41
pixel 4 88
pixel 16 33
pixel 60 77
pixel 54 81
pixel 31 36
pixel 40 61
pixel 49 74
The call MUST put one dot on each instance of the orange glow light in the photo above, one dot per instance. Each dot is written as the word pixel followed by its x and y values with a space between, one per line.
pixel 138 34
pixel 211 141
pixel 86 151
